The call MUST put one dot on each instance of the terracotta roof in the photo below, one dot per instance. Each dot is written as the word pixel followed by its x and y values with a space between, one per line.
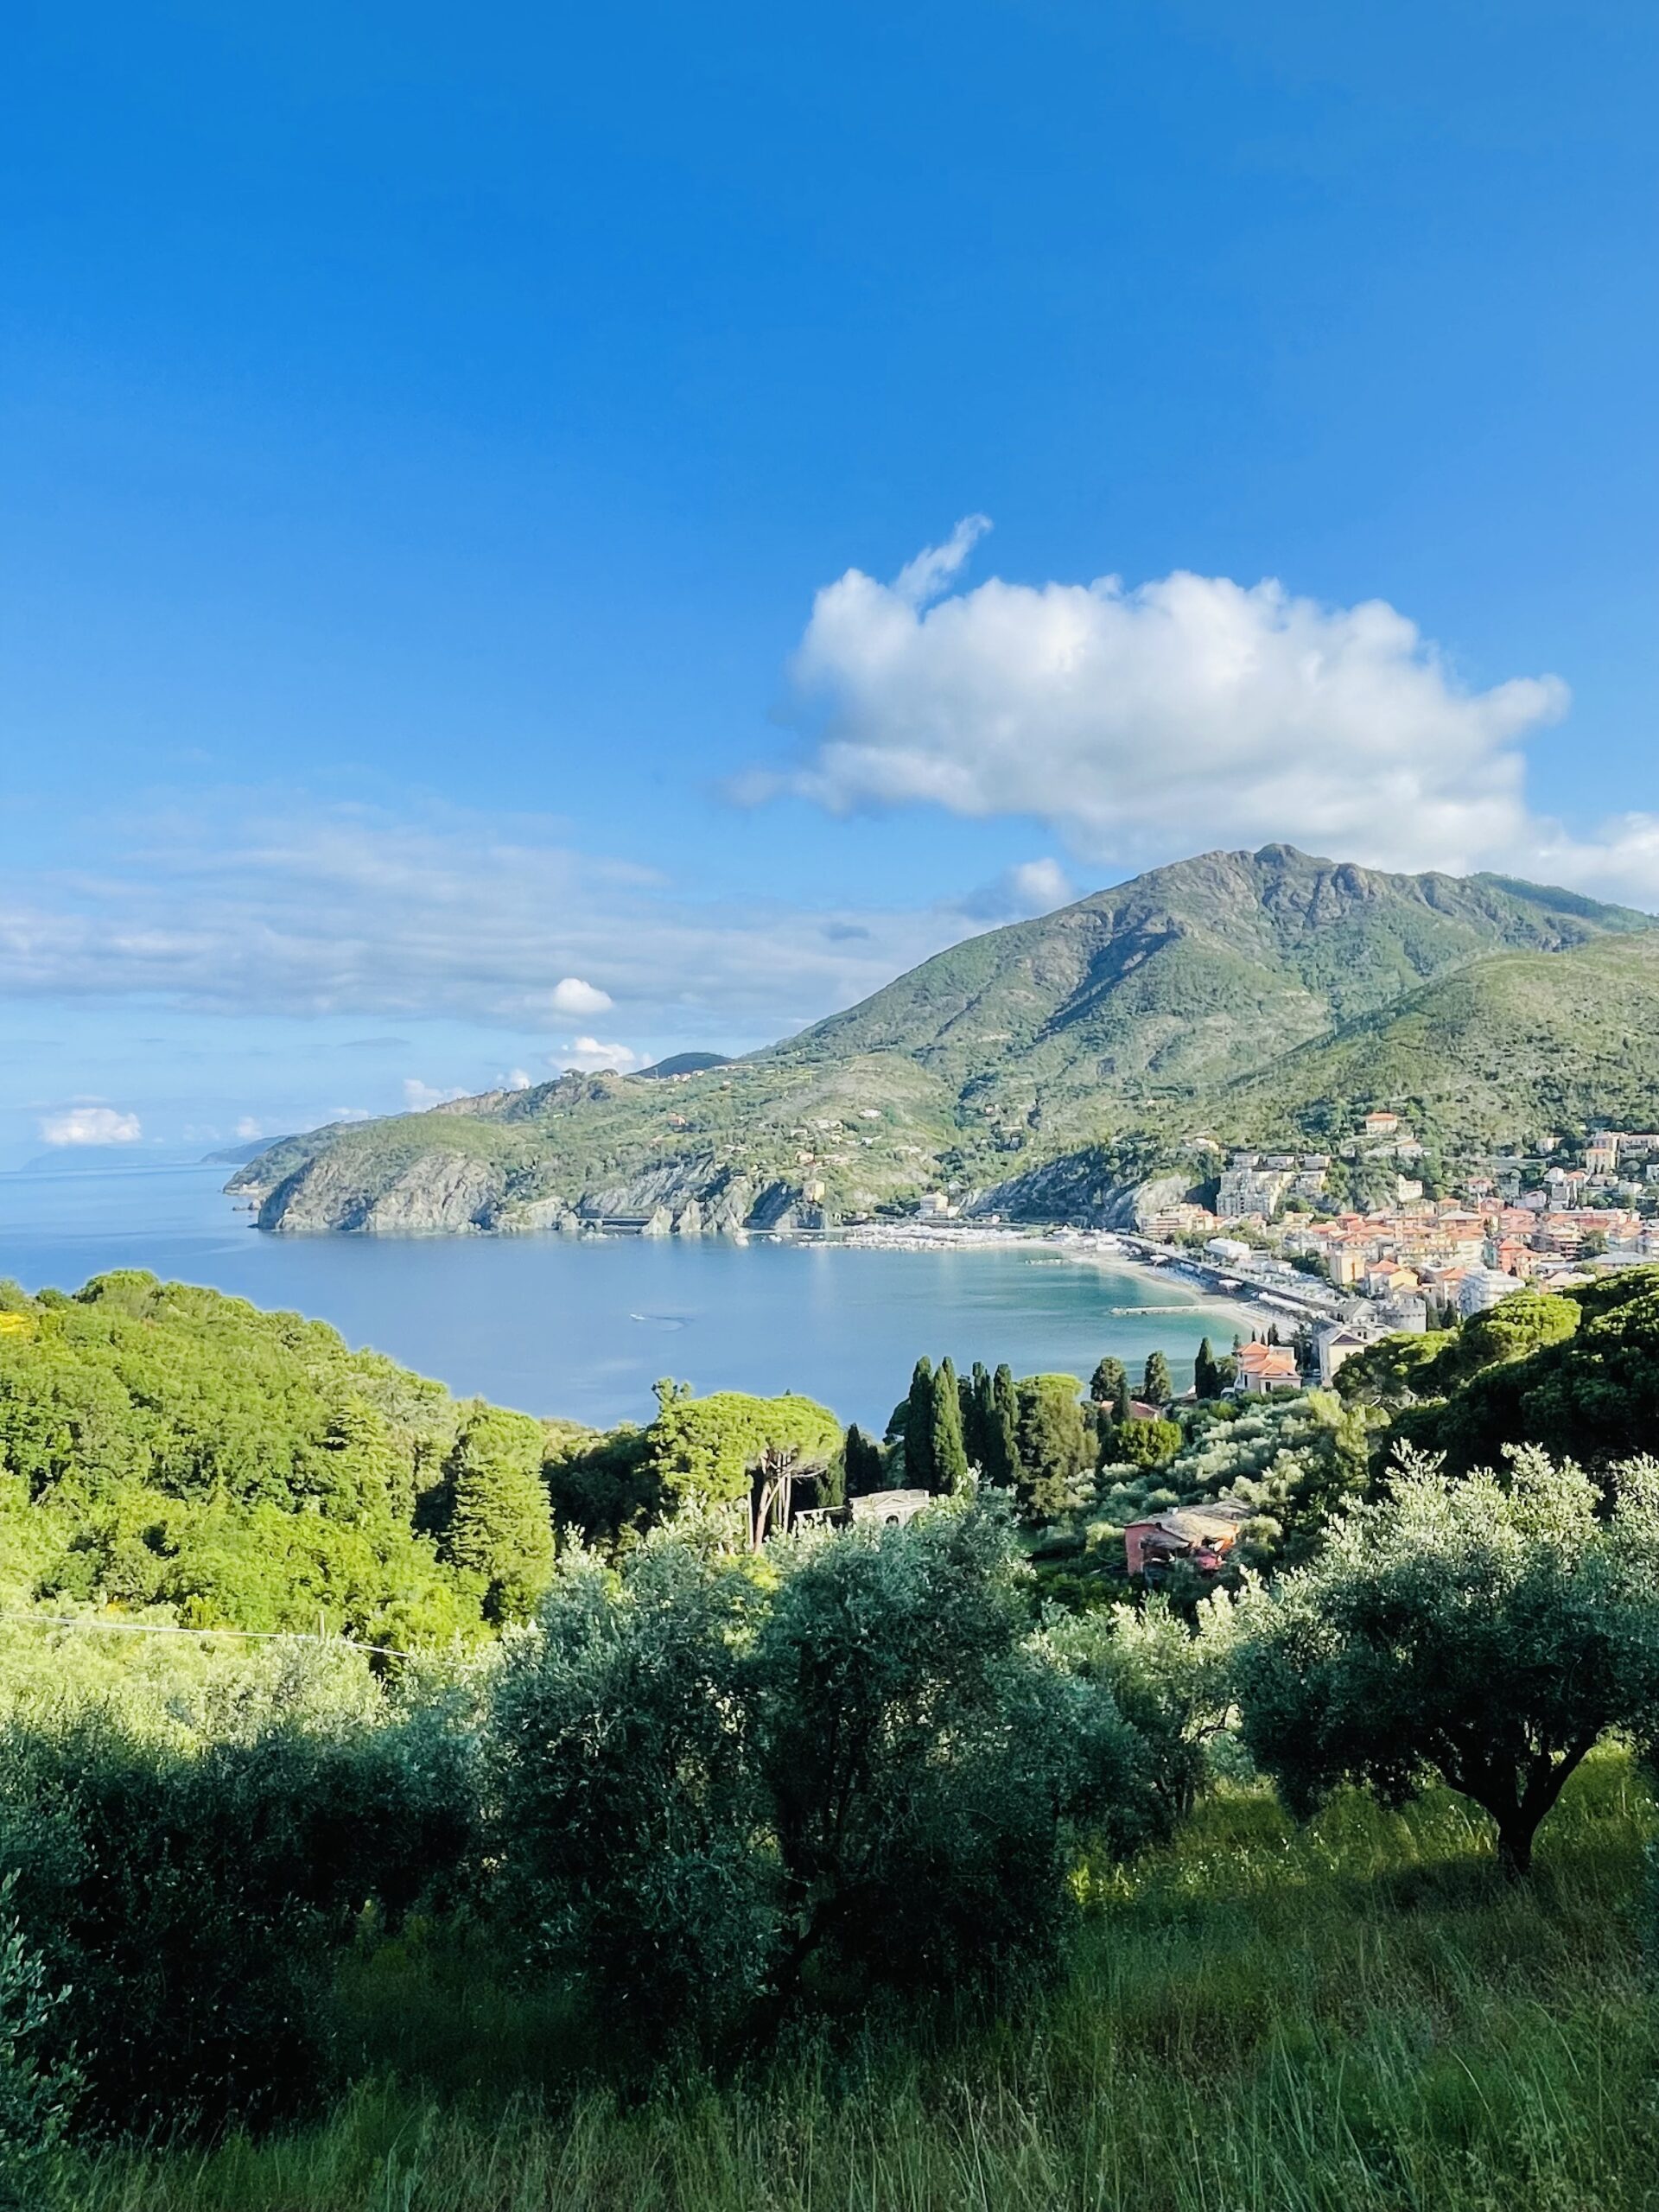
pixel 1265 1359
pixel 1194 1522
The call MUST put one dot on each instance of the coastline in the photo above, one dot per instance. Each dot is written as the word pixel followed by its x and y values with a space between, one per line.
pixel 1201 1280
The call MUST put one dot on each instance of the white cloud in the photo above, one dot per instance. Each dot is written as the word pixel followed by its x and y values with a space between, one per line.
pixel 260 904
pixel 588 1055
pixel 574 997
pixel 1150 723
pixel 1032 887
pixel 517 1080
pixel 420 1097
pixel 90 1125
pixel 248 1129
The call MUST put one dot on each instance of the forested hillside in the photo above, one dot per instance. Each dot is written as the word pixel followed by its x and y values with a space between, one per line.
pixel 1516 1044
pixel 1246 994
pixel 164 1446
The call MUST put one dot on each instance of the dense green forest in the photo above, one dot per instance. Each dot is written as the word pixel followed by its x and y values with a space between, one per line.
pixel 662 1854
pixel 166 1446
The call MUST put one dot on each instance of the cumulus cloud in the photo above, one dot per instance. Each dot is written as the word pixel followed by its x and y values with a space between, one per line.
pixel 90 1125
pixel 572 996
pixel 587 1056
pixel 1032 887
pixel 420 1097
pixel 1152 721
pixel 517 1080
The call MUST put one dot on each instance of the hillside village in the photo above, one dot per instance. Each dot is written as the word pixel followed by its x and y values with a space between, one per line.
pixel 1557 1216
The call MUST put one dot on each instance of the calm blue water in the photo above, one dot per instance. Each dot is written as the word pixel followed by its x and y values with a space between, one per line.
pixel 583 1329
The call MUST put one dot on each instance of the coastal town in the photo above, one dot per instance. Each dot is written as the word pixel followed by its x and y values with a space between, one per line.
pixel 1334 1277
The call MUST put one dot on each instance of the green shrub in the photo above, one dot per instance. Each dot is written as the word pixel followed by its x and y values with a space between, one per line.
pixel 190 1902
pixel 1147 1443
pixel 1170 1679
pixel 36 2092
pixel 625 1799
pixel 721 1790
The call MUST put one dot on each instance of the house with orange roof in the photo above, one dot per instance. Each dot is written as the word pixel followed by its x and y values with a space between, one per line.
pixel 1260 1367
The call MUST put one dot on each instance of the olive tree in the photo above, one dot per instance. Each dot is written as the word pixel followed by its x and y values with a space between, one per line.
pixel 925 1760
pixel 1170 1679
pixel 721 1789
pixel 623 1800
pixel 1488 1631
pixel 37 2094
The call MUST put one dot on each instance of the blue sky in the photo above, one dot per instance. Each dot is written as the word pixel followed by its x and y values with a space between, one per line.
pixel 468 476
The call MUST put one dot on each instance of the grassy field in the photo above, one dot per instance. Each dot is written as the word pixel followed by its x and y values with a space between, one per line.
pixel 1358 2018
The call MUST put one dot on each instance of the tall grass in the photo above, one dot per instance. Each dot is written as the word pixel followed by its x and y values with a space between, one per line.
pixel 1356 2018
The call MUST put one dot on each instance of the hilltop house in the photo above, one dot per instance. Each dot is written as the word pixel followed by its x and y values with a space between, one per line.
pixel 1201 1535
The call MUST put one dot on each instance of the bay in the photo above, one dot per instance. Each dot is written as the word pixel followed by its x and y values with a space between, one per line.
pixel 582 1329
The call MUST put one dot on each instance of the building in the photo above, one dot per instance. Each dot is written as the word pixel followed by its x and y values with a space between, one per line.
pixel 1261 1368
pixel 1508 1256
pixel 1379 1124
pixel 1201 1535
pixel 1182 1220
pixel 1228 1250
pixel 1482 1288
pixel 1406 1316
pixel 891 1508
pixel 1336 1347
pixel 1244 1192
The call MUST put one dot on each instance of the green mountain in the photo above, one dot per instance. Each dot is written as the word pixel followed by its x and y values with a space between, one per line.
pixel 1135 1015
pixel 1516 1044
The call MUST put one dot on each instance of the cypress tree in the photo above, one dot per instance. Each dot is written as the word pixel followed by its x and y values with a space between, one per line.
pixel 1001 1461
pixel 975 1413
pixel 1121 1410
pixel 1206 1375
pixel 950 1456
pixel 863 1469
pixel 498 1525
pixel 1157 1388
pixel 1053 1443
pixel 918 1427
pixel 1104 1382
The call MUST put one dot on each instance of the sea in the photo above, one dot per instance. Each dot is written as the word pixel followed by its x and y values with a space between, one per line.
pixel 583 1328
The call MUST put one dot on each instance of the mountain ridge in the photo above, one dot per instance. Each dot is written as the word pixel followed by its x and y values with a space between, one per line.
pixel 1130 1015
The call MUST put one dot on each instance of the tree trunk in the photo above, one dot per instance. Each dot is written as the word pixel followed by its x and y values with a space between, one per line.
pixel 1515 1839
